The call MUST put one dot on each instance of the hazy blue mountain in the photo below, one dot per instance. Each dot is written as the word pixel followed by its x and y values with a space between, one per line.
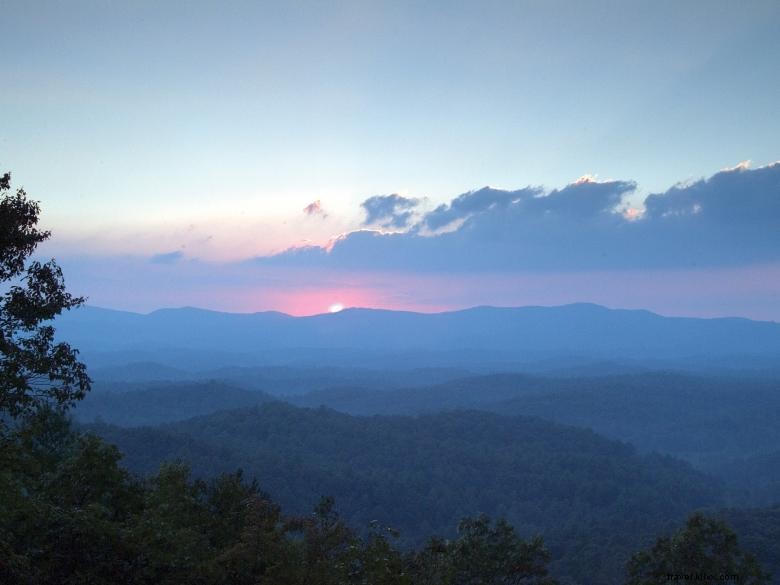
pixel 158 403
pixel 569 336
pixel 754 479
pixel 654 410
pixel 291 381
pixel 276 380
pixel 138 372
pixel 726 425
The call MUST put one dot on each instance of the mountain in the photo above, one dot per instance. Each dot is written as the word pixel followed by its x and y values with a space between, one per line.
pixel 157 403
pixel 276 380
pixel 724 425
pixel 594 500
pixel 135 372
pixel 569 336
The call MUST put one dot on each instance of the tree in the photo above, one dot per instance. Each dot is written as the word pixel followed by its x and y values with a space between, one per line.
pixel 64 506
pixel 34 369
pixel 704 547
pixel 483 554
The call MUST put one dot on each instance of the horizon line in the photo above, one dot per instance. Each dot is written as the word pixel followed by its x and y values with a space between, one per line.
pixel 433 312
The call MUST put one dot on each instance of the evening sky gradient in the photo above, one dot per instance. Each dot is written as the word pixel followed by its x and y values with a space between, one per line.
pixel 251 156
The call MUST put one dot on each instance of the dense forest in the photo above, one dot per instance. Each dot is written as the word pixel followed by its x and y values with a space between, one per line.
pixel 651 410
pixel 71 515
pixel 595 501
pixel 722 425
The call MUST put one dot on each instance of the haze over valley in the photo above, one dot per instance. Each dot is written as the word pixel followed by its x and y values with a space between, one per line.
pixel 408 419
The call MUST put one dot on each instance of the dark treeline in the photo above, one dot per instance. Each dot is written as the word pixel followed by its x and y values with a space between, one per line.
pixel 71 515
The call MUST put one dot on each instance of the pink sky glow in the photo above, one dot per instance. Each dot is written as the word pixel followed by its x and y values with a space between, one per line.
pixel 752 291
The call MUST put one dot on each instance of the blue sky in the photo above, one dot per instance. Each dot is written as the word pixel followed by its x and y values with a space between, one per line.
pixel 165 135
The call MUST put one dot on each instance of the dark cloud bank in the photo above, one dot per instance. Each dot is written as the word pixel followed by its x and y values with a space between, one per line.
pixel 731 218
pixel 392 211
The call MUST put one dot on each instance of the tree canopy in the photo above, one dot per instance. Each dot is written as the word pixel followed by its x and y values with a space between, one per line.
pixel 704 547
pixel 35 369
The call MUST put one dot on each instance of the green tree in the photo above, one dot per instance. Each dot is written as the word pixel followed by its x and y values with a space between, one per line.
pixel 704 546
pixel 483 554
pixel 64 505
pixel 34 369
pixel 262 551
pixel 329 546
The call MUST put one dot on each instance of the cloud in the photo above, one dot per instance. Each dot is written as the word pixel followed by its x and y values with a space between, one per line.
pixel 467 204
pixel 735 197
pixel 315 208
pixel 393 211
pixel 167 258
pixel 583 198
pixel 710 247
pixel 729 219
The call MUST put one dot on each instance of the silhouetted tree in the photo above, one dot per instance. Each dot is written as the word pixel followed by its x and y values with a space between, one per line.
pixel 34 369
pixel 705 546
pixel 483 554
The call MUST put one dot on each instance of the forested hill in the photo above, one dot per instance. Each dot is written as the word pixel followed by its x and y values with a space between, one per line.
pixel 155 403
pixel 482 335
pixel 594 500
pixel 723 425
pixel 702 418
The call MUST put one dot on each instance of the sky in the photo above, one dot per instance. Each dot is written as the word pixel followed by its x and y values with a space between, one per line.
pixel 298 156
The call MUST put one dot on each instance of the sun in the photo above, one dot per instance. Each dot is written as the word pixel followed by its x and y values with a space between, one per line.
pixel 336 307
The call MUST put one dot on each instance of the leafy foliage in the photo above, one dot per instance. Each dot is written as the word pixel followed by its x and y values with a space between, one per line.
pixel 69 514
pixel 595 501
pixel 759 532
pixel 35 370
pixel 705 546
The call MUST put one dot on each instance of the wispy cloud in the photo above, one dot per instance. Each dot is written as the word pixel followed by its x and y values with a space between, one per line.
pixel 315 209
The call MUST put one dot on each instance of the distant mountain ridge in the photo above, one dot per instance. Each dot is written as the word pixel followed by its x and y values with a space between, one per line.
pixel 502 334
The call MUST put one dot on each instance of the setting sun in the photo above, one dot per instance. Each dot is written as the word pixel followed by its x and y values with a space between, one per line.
pixel 335 308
